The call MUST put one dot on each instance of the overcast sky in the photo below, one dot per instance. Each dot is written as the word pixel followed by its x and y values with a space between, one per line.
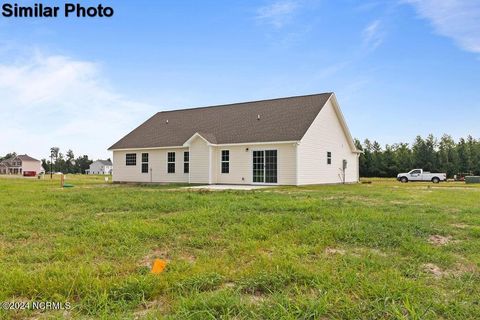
pixel 399 68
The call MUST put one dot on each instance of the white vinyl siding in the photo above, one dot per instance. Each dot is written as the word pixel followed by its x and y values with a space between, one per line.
pixel 326 135
pixel 199 161
pixel 241 163
pixel 32 166
pixel 157 160
pixel 98 167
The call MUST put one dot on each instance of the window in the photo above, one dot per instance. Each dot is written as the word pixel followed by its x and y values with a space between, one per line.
pixel 329 157
pixel 144 162
pixel 186 162
pixel 131 159
pixel 225 161
pixel 171 162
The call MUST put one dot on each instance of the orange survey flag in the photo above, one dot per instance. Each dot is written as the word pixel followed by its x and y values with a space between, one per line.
pixel 159 265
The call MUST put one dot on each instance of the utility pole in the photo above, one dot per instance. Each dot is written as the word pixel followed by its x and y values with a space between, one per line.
pixel 51 164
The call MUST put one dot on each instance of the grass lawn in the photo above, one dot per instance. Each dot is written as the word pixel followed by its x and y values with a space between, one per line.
pixel 382 250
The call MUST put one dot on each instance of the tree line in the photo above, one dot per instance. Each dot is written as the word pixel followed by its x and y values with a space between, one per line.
pixel 59 162
pixel 8 156
pixel 65 163
pixel 431 154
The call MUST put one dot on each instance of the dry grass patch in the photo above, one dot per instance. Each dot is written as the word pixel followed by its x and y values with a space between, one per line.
pixel 434 270
pixel 229 285
pixel 460 225
pixel 256 298
pixel 335 251
pixel 438 240
pixel 370 251
pixel 148 307
pixel 147 261
pixel 459 269
pixel 189 257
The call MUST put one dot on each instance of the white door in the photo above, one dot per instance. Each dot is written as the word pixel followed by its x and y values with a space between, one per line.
pixel 415 175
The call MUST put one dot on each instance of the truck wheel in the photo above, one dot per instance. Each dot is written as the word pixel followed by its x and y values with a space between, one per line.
pixel 435 180
pixel 403 179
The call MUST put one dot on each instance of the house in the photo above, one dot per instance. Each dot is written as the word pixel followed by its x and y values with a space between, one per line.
pixel 287 141
pixel 100 167
pixel 21 165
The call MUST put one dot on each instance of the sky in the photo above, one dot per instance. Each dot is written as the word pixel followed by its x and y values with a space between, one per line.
pixel 398 68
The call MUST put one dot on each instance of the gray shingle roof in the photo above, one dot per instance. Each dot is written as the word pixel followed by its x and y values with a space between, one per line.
pixel 284 119
pixel 22 157
pixel 105 162
pixel 25 157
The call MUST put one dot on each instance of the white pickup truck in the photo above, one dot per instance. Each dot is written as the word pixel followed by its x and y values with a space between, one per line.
pixel 420 175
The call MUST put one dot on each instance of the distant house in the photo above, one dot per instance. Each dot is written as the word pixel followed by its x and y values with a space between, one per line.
pixel 21 165
pixel 287 141
pixel 100 167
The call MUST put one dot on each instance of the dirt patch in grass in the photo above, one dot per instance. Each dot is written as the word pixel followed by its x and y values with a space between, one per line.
pixel 228 285
pixel 189 257
pixel 266 252
pixel 147 307
pixel 147 261
pixel 334 251
pixel 460 225
pixel 399 202
pixel 464 267
pixel 369 251
pixel 438 240
pixel 434 269
pixel 44 315
pixel 459 269
pixel 256 298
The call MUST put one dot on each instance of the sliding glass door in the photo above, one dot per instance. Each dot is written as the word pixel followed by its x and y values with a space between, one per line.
pixel 265 166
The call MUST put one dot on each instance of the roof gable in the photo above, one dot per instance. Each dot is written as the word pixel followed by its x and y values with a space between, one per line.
pixel 342 123
pixel 284 119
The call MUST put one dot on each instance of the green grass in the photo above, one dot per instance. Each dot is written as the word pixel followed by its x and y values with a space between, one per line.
pixel 320 252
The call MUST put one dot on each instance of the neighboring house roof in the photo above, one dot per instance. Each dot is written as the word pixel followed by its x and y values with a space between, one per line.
pixel 21 157
pixel 25 157
pixel 284 119
pixel 104 162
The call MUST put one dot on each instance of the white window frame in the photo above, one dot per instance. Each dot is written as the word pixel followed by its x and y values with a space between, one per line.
pixel 186 162
pixel 172 162
pixel 223 161
pixel 126 160
pixel 143 162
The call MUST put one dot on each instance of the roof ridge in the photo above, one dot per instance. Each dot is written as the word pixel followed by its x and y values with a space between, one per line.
pixel 247 102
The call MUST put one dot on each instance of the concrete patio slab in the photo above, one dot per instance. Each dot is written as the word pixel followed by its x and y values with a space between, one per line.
pixel 220 187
